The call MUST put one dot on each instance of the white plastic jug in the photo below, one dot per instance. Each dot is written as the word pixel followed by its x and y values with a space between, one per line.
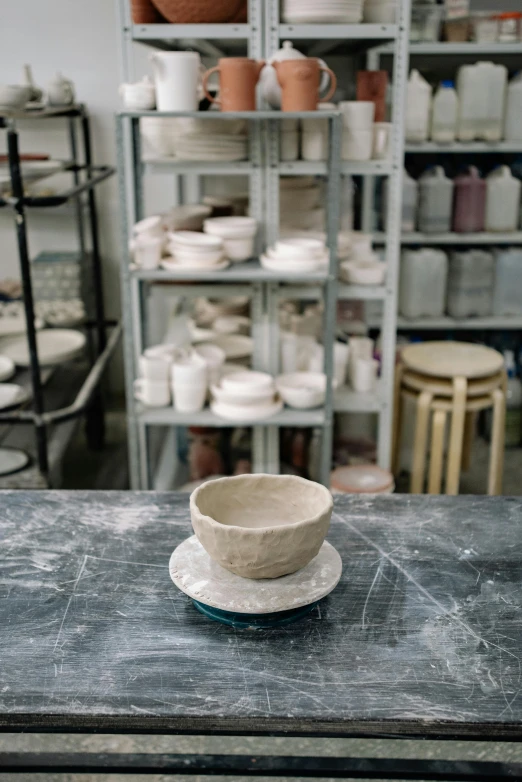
pixel 502 200
pixel 482 96
pixel 444 113
pixel 507 298
pixel 418 106
pixel 513 123
pixel 410 196
pixel 470 283
pixel 422 292
pixel 177 77
pixel 435 201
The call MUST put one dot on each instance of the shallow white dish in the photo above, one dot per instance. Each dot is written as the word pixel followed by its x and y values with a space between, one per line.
pixel 292 267
pixel 7 366
pixel 173 266
pixel 273 255
pixel 298 247
pixel 302 390
pixel 55 346
pixel 231 227
pixel 248 381
pixel 205 260
pixel 360 273
pixel 12 395
pixel 248 397
pixel 246 413
pixel 234 345
pixel 194 240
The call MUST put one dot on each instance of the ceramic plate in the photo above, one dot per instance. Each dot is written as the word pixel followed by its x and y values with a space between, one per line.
pixel 289 268
pixel 12 395
pixel 246 413
pixel 202 579
pixel 55 346
pixel 173 266
pixel 7 368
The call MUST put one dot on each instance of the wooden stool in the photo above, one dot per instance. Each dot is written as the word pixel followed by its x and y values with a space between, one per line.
pixel 459 373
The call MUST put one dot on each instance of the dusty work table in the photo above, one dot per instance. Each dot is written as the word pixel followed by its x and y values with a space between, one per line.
pixel 422 637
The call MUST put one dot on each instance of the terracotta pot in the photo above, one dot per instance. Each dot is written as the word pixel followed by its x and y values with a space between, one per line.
pixel 144 12
pixel 198 11
pixel 372 86
pixel 238 77
pixel 299 80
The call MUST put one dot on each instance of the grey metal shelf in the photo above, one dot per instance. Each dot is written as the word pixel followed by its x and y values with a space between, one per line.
pixel 361 292
pixel 339 32
pixel 348 168
pixel 248 272
pixel 465 147
pixel 197 167
pixel 467 48
pixel 167 416
pixel 159 33
pixel 490 323
pixel 513 237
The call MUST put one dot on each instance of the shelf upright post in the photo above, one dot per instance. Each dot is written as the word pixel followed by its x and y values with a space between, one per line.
pixel 393 234
pixel 17 190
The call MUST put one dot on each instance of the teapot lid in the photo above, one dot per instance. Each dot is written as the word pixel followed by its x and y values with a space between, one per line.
pixel 287 52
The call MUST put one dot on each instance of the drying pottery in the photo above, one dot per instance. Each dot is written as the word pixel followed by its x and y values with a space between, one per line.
pixel 140 96
pixel 302 390
pixel 60 91
pixel 144 12
pixel 35 92
pixel 299 80
pixel 200 11
pixel 261 526
pixel 177 78
pixel 238 77
pixel 14 96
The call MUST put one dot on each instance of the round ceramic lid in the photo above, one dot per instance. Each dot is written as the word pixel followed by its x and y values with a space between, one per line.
pixel 361 479
pixel 202 579
pixel 452 359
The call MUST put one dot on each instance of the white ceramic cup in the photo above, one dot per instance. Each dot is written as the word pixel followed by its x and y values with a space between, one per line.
pixel 214 357
pixel 189 398
pixel 381 140
pixel 150 393
pixel 147 251
pixel 289 145
pixel 314 145
pixel 357 114
pixel 364 374
pixel 357 144
pixel 177 78
pixel 340 359
pixel 189 369
pixel 154 368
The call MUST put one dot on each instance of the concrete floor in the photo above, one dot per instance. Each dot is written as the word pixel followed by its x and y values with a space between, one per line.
pixel 93 470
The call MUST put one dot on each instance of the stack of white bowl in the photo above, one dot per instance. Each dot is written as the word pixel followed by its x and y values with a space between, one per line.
pixel 299 204
pixel 147 242
pixel 236 233
pixel 195 251
pixel 344 240
pixel 364 267
pixel 380 11
pixel 193 139
pixel 302 390
pixel 329 11
pixel 245 396
pixel 295 256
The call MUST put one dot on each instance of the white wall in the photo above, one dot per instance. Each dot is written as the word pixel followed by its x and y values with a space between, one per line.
pixel 81 39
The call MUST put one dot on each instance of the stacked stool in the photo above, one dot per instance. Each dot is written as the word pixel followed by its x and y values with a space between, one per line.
pixel 455 379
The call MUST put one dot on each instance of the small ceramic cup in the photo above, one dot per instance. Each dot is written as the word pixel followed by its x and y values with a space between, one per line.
pixel 357 114
pixel 289 145
pixel 155 368
pixel 357 144
pixel 189 369
pixel 364 374
pixel 189 398
pixel 340 360
pixel 150 393
pixel 381 140
pixel 147 251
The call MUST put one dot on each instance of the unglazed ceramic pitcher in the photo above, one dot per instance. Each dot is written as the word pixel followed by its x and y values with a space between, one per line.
pixel 238 77
pixel 299 80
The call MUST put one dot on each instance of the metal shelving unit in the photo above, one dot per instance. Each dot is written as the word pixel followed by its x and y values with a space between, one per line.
pixel 261 37
pixel 81 196
pixel 483 238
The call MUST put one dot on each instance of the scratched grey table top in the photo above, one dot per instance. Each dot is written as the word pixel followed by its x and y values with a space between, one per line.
pixel 423 636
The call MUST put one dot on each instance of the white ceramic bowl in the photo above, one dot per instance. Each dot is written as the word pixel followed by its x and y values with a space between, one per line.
pixel 261 526
pixel 249 381
pixel 302 390
pixel 299 248
pixel 194 240
pixel 236 346
pixel 297 260
pixel 238 249
pixel 289 266
pixel 205 260
pixel 361 273
pixel 14 96
pixel 231 227
pixel 246 397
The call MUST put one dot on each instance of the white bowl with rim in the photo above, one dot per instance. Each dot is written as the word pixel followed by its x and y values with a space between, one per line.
pixel 299 248
pixel 238 249
pixel 195 240
pixel 247 396
pixel 248 381
pixel 364 273
pixel 231 227
pixel 302 390
pixel 202 260
pixel 289 266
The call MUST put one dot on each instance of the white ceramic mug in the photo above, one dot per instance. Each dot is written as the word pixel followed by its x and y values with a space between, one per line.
pixel 364 374
pixel 178 80
pixel 150 393
pixel 189 369
pixel 155 368
pixel 189 398
pixel 357 114
pixel 357 144
pixel 214 357
pixel 147 251
pixel 314 145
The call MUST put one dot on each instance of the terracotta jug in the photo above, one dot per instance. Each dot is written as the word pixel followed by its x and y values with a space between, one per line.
pixel 238 77
pixel 299 80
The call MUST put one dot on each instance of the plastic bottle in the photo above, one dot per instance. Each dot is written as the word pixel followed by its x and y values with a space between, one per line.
pixel 470 284
pixel 502 200
pixel 435 201
pixel 444 113
pixel 513 402
pixel 513 123
pixel 481 92
pixel 469 202
pixel 507 298
pixel 418 105
pixel 422 290
pixel 410 196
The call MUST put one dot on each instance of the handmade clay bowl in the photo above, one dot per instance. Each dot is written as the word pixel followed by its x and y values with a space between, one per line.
pixel 302 390
pixel 261 526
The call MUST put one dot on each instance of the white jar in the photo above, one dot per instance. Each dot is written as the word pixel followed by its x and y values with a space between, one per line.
pixel 418 106
pixel 470 284
pixel 502 200
pixel 444 114
pixel 507 298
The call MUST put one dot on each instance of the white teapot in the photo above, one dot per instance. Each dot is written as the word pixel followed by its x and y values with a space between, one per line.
pixel 270 88
pixel 60 92
pixel 140 96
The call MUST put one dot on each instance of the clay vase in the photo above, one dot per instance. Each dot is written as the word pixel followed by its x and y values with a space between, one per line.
pixel 238 77
pixel 299 80
pixel 199 11
pixel 144 12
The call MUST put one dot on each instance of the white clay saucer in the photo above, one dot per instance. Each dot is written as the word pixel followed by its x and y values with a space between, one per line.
pixel 203 580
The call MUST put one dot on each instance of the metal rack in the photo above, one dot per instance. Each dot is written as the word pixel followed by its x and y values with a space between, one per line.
pixel 261 38
pixel 85 178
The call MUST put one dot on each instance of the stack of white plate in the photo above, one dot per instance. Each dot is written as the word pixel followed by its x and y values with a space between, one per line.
pixel 195 251
pixel 296 255
pixel 236 233
pixel 211 147
pixel 193 139
pixel 329 11
pixel 245 396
